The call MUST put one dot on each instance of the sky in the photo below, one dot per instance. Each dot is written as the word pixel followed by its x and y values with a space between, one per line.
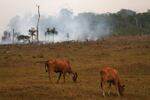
pixel 11 8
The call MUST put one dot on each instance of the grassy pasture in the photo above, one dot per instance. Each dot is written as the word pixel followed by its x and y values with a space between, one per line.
pixel 21 78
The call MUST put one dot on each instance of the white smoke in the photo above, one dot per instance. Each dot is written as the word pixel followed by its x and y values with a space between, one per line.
pixel 79 27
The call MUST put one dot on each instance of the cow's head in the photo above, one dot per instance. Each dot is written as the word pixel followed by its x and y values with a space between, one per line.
pixel 75 76
pixel 121 89
pixel 48 64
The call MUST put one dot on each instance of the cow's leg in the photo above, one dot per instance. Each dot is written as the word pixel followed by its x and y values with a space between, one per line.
pixel 49 75
pixel 117 88
pixel 109 89
pixel 59 77
pixel 64 75
pixel 102 87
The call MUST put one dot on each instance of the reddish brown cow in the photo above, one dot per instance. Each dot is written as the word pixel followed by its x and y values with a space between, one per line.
pixel 110 75
pixel 60 66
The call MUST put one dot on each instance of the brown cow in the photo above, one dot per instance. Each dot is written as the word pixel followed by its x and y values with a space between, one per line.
pixel 60 66
pixel 110 75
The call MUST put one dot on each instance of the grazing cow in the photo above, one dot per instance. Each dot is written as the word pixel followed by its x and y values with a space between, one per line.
pixel 110 75
pixel 60 66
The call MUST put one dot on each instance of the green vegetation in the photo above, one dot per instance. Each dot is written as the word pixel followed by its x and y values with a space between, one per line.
pixel 21 78
pixel 127 22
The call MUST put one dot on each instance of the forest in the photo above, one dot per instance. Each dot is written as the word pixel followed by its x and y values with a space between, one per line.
pixel 88 25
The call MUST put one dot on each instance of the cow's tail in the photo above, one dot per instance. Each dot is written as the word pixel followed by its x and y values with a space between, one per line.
pixel 101 78
pixel 46 65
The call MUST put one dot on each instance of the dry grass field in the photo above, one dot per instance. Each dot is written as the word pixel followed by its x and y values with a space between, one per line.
pixel 21 78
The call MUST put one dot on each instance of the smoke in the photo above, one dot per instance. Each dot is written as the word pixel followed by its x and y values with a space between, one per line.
pixel 81 27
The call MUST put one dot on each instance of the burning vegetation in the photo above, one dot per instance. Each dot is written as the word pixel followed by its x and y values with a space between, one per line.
pixel 84 26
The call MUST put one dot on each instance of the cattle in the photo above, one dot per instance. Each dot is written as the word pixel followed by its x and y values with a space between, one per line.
pixel 110 76
pixel 61 66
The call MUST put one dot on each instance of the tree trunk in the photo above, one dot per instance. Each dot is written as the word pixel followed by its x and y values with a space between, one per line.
pixel 38 23
pixel 53 38
pixel 32 38
pixel 13 35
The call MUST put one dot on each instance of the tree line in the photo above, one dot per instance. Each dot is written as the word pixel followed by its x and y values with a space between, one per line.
pixel 32 35
pixel 127 22
pixel 123 22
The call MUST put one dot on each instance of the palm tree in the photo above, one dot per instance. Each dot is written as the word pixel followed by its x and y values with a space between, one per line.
pixel 32 32
pixel 54 32
pixel 45 35
pixel 51 32
pixel 16 34
pixel 48 32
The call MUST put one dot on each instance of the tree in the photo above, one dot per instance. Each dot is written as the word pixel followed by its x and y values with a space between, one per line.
pixel 32 32
pixel 54 32
pixel 51 32
pixel 6 36
pixel 38 22
pixel 45 35
pixel 68 36
pixel 24 38
pixel 15 35
pixel 48 32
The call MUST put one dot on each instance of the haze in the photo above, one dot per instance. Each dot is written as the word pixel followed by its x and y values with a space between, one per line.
pixel 11 8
